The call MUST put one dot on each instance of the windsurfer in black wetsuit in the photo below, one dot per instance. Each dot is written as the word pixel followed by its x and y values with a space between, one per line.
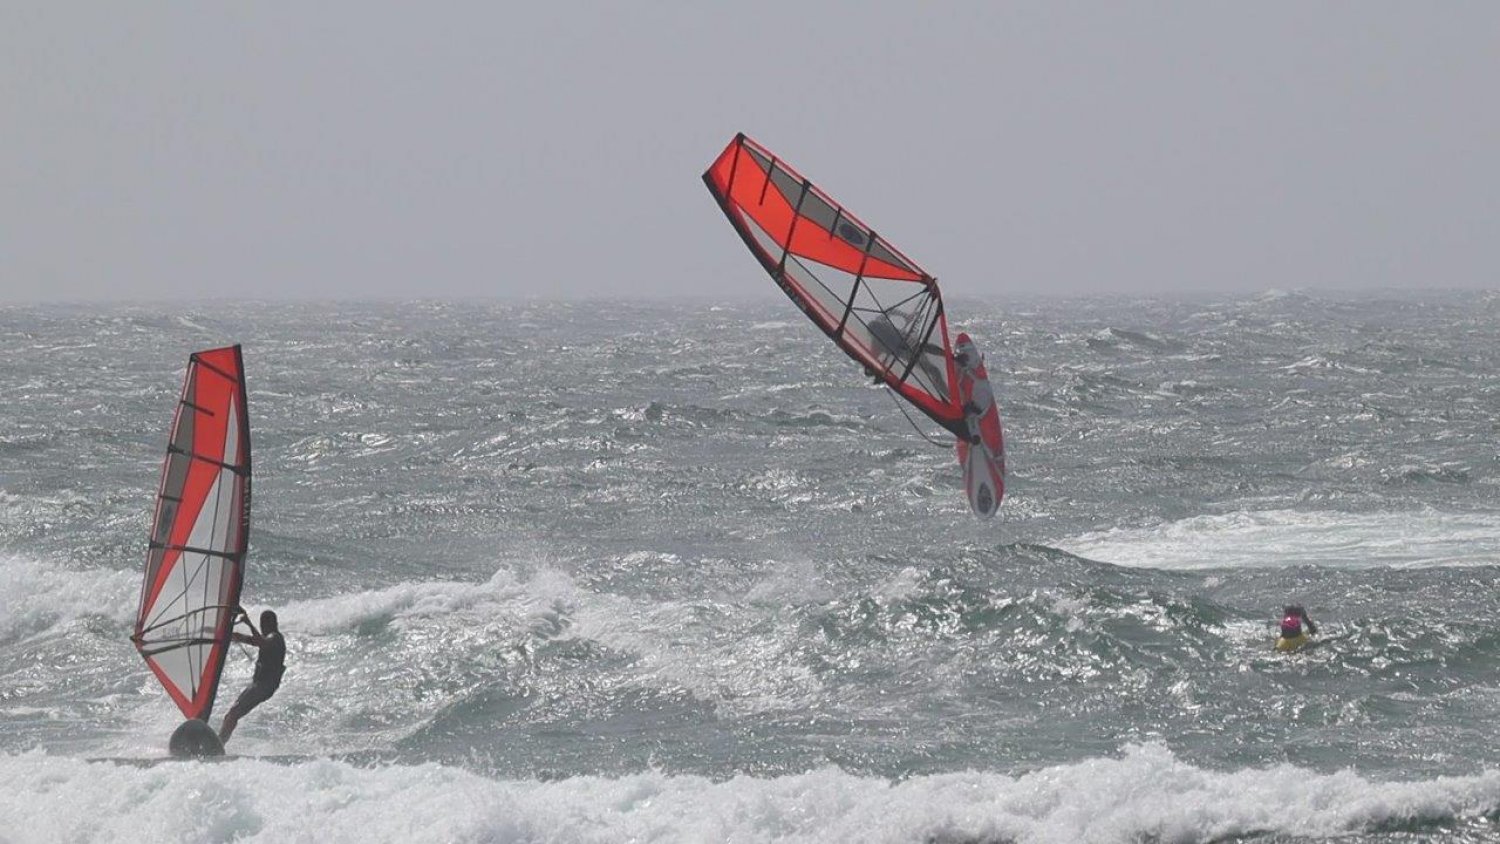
pixel 268 668
pixel 968 359
pixel 891 342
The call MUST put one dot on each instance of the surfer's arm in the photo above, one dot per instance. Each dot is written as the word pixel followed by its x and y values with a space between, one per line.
pixel 254 638
pixel 1307 620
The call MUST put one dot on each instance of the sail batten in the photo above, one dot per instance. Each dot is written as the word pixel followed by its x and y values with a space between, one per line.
pixel 199 534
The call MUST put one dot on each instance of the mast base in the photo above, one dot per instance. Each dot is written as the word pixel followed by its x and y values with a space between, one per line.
pixel 193 739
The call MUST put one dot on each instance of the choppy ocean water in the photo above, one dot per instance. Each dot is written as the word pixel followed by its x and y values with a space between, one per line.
pixel 605 571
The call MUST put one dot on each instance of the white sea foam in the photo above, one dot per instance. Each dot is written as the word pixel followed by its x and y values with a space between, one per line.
pixel 668 640
pixel 791 583
pixel 1276 538
pixel 1146 793
pixel 37 595
pixel 682 645
pixel 503 594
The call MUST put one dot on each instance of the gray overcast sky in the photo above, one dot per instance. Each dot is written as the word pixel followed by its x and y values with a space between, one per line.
pixel 343 149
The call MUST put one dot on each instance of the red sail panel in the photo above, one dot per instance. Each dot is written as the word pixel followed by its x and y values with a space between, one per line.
pixel 195 562
pixel 875 303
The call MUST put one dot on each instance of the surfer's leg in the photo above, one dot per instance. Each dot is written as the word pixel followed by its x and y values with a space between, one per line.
pixel 227 728
pixel 248 700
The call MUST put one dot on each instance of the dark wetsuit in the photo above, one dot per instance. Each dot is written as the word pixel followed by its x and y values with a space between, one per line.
pixel 891 342
pixel 268 670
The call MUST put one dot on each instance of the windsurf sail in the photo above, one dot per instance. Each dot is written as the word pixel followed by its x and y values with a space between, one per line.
pixel 878 306
pixel 195 561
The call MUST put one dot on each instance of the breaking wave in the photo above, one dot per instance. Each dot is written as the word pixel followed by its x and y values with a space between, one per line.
pixel 1143 794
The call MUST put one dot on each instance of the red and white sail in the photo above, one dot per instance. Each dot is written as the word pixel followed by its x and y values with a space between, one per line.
pixel 879 306
pixel 195 563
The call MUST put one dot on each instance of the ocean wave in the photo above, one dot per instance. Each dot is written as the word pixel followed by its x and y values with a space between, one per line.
pixel 37 595
pixel 718 652
pixel 1144 793
pixel 1447 473
pixel 1281 538
pixel 534 602
pixel 1142 339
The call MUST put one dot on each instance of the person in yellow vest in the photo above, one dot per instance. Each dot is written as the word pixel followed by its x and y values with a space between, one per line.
pixel 1296 628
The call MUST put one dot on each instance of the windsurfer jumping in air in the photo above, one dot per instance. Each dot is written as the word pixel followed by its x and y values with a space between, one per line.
pixel 968 359
pixel 269 667
pixel 876 304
